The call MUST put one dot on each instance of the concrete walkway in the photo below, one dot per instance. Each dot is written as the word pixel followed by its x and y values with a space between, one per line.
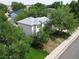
pixel 62 47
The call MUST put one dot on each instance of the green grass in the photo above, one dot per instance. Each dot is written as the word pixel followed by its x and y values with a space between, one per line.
pixel 36 54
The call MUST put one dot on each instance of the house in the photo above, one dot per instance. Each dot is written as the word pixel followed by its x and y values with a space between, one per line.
pixel 32 25
pixel 13 14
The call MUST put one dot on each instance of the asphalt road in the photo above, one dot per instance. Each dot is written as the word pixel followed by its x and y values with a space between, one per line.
pixel 72 51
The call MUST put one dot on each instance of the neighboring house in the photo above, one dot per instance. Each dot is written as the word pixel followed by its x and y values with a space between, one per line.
pixel 32 25
pixel 13 14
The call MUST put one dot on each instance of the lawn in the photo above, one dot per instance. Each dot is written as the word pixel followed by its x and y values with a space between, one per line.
pixel 36 54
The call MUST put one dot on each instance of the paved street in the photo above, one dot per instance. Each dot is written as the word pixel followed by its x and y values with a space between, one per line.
pixel 72 52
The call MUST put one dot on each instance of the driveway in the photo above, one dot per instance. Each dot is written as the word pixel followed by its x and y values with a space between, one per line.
pixel 72 51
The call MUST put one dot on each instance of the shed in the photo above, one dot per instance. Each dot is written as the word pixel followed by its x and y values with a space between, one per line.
pixel 32 25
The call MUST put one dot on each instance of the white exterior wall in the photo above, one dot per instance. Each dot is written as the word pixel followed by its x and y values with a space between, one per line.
pixel 29 30
pixel 43 25
pixel 38 28
pixel 26 29
pixel 35 29
pixel 32 29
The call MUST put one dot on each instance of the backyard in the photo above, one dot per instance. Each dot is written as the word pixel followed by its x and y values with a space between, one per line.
pixel 15 44
pixel 51 44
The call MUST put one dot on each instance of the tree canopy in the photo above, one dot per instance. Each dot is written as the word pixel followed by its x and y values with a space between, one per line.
pixel 3 7
pixel 75 9
pixel 21 15
pixel 2 15
pixel 36 10
pixel 17 6
pixel 56 4
pixel 63 19
pixel 13 43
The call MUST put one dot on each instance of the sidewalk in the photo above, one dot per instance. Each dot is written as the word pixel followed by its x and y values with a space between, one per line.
pixel 63 46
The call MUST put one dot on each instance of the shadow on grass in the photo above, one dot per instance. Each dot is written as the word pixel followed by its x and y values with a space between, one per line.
pixel 59 34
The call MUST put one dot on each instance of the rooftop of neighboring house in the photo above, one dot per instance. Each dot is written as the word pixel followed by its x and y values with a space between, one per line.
pixel 34 21
pixel 13 14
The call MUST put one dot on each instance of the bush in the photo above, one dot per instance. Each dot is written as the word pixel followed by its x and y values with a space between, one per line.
pixel 37 42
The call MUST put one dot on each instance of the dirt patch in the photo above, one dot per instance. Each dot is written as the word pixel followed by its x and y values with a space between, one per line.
pixel 51 45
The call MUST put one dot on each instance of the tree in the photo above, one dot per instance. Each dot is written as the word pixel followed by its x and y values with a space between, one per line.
pixel 37 10
pixel 56 4
pixel 3 7
pixel 40 5
pixel 2 15
pixel 62 19
pixel 23 14
pixel 74 7
pixel 14 43
pixel 17 6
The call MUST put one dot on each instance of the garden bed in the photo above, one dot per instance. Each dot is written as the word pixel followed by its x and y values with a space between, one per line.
pixel 56 39
pixel 51 45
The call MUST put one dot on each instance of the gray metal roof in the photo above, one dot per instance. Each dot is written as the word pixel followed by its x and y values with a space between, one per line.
pixel 13 15
pixel 33 21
